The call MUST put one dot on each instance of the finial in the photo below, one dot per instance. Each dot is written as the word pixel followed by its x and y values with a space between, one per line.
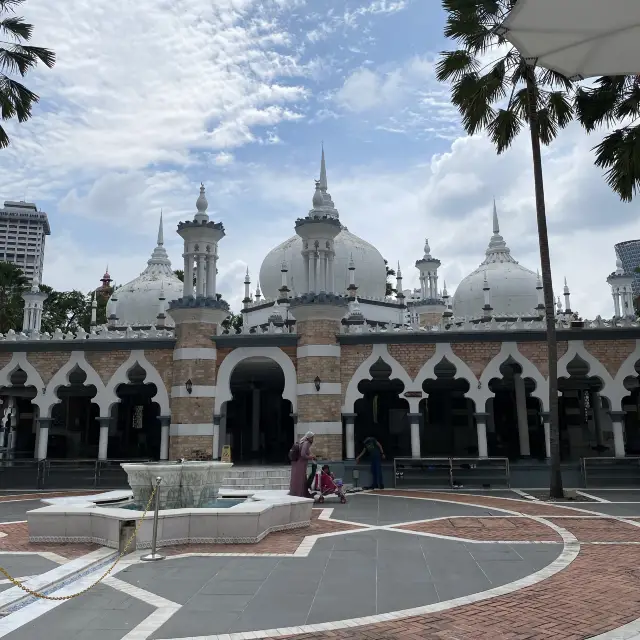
pixel 318 200
pixel 323 172
pixel 496 225
pixel 247 280
pixel 427 248
pixel 201 203
pixel 160 231
pixel 485 281
pixel 444 290
pixel 398 271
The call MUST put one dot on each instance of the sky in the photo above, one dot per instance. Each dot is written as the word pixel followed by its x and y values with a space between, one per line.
pixel 148 99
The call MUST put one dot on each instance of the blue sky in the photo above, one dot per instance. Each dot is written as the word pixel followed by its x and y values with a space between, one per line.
pixel 149 99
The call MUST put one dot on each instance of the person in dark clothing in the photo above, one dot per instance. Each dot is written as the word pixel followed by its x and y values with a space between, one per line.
pixel 376 455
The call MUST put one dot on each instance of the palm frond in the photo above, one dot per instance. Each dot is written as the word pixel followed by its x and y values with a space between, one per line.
pixel 16 27
pixel 454 64
pixel 4 138
pixel 553 79
pixel 469 95
pixel 8 5
pixel 619 154
pixel 547 126
pixel 504 128
pixel 467 29
pixel 629 104
pixel 596 106
pixel 16 99
pixel 560 108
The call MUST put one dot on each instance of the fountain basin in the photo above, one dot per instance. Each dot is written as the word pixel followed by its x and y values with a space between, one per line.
pixel 83 519
pixel 184 484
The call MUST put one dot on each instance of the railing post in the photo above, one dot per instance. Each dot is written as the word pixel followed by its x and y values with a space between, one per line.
pixel 450 473
pixel 96 473
pixel 153 556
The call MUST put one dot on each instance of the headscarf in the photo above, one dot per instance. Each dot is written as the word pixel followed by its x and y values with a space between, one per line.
pixel 307 436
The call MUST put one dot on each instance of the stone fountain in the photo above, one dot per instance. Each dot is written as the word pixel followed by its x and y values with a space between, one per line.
pixel 184 484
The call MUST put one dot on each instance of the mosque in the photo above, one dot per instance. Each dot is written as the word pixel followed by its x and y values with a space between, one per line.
pixel 323 347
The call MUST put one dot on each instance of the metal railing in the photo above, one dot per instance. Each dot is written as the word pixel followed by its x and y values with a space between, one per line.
pixel 610 472
pixel 63 474
pixel 450 472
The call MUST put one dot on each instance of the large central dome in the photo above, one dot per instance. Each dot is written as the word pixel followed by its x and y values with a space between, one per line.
pixel 512 287
pixel 371 270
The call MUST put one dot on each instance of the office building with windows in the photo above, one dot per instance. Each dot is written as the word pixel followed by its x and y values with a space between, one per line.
pixel 23 230
pixel 629 254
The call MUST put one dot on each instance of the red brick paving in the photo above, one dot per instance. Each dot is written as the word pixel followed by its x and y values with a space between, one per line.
pixel 279 542
pixel 599 529
pixel 17 540
pixel 489 529
pixel 39 496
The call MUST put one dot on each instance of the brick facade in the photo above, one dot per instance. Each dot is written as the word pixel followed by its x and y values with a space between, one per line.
pixel 48 362
pixel 190 448
pixel 351 357
pixel 106 363
pixel 412 356
pixel 317 332
pixel 326 368
pixel 327 447
pixel 477 355
pixel 611 353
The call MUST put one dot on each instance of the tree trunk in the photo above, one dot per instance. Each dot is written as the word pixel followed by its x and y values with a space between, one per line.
pixel 555 482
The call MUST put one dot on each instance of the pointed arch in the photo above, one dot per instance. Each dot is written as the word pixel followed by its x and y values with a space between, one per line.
pixel 444 350
pixel 121 377
pixel 34 379
pixel 379 351
pixel 223 379
pixel 628 368
pixel 596 368
pixel 61 379
pixel 529 370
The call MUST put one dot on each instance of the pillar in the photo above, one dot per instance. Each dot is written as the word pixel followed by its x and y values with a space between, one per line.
pixel 523 422
pixel 255 420
pixel 331 285
pixel 617 419
pixel 43 439
pixel 191 431
pixel 165 422
pixel 216 436
pixel 318 355
pixel 307 271
pixel 187 287
pixel 201 281
pixel 211 276
pixel 596 407
pixel 546 421
pixel 414 419
pixel 481 428
pixel 103 442
pixel 350 435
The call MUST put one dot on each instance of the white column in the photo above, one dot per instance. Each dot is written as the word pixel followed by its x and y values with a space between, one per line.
pixel 255 421
pixel 187 289
pixel 201 280
pixel 331 284
pixel 103 442
pixel 43 439
pixel 211 276
pixel 521 409
pixel 165 422
pixel 350 439
pixel 481 429
pixel 216 437
pixel 321 270
pixel 547 433
pixel 617 419
pixel 414 418
pixel 307 272
pixel 312 271
pixel 616 301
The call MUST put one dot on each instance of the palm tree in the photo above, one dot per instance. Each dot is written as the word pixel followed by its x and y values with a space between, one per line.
pixel 615 99
pixel 501 96
pixel 16 57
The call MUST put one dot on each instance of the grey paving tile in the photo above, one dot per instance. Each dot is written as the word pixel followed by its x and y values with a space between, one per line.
pixel 629 495
pixel 215 604
pixel 187 624
pixel 11 511
pixel 26 565
pixel 398 595
pixel 487 553
pixel 231 587
pixel 501 572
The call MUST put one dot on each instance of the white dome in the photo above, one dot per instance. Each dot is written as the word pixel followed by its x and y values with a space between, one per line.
pixel 371 271
pixel 137 302
pixel 512 287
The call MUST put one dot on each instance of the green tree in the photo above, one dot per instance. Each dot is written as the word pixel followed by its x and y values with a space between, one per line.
pixel 179 273
pixel 13 283
pixel 65 310
pixel 615 100
pixel 503 96
pixel 17 57
pixel 233 323
pixel 390 274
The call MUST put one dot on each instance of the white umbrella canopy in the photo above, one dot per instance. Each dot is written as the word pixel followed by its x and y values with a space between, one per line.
pixel 577 38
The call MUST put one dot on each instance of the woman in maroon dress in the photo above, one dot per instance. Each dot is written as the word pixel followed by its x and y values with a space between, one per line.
pixel 298 486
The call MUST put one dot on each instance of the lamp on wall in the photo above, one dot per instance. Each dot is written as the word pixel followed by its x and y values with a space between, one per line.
pixel 317 382
pixel 189 386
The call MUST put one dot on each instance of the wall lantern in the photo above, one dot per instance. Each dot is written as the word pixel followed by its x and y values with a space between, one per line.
pixel 317 382
pixel 189 386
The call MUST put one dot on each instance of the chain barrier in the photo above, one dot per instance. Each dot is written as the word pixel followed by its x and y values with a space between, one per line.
pixel 42 596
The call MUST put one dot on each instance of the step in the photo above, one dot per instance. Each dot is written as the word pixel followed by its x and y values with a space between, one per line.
pixel 258 473
pixel 254 487
pixel 268 480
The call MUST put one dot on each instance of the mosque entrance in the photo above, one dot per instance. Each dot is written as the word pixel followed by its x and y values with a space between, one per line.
pixel 258 422
pixel 18 417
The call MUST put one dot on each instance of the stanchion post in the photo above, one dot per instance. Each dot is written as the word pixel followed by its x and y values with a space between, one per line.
pixel 153 556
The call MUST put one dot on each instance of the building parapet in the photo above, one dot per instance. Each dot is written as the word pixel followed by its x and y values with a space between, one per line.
pixel 262 330
pixel 102 333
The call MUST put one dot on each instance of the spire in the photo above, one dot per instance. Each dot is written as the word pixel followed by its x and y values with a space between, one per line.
pixel 323 173
pixel 202 205
pixel 160 231
pixel 497 251
pixel 496 224
pixel 427 249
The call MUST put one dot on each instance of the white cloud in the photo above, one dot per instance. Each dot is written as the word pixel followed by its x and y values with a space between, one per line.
pixel 223 158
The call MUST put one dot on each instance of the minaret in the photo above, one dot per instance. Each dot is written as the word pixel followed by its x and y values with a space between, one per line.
pixel 428 267
pixel 540 290
pixel 559 310
pixel 94 311
pixel 567 298
pixel 400 296
pixel 621 290
pixel 112 320
pixel 247 290
pixel 318 231
pixel 258 295
pixel 284 290
pixel 33 307
pixel 447 314
pixel 486 310
pixel 161 317
pixel 352 289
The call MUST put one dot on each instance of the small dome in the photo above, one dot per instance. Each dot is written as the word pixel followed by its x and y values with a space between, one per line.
pixel 512 287
pixel 137 302
pixel 371 271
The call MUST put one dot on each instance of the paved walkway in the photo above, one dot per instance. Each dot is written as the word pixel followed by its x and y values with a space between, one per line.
pixel 392 564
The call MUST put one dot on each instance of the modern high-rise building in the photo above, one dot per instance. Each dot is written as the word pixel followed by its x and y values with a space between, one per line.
pixel 23 230
pixel 629 253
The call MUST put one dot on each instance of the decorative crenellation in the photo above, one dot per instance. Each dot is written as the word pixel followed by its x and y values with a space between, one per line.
pixel 101 333
pixel 245 330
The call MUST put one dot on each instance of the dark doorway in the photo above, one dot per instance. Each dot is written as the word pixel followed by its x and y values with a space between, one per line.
pixel 18 433
pixel 259 422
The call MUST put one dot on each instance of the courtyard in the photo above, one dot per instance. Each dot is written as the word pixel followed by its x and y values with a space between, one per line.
pixel 388 564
